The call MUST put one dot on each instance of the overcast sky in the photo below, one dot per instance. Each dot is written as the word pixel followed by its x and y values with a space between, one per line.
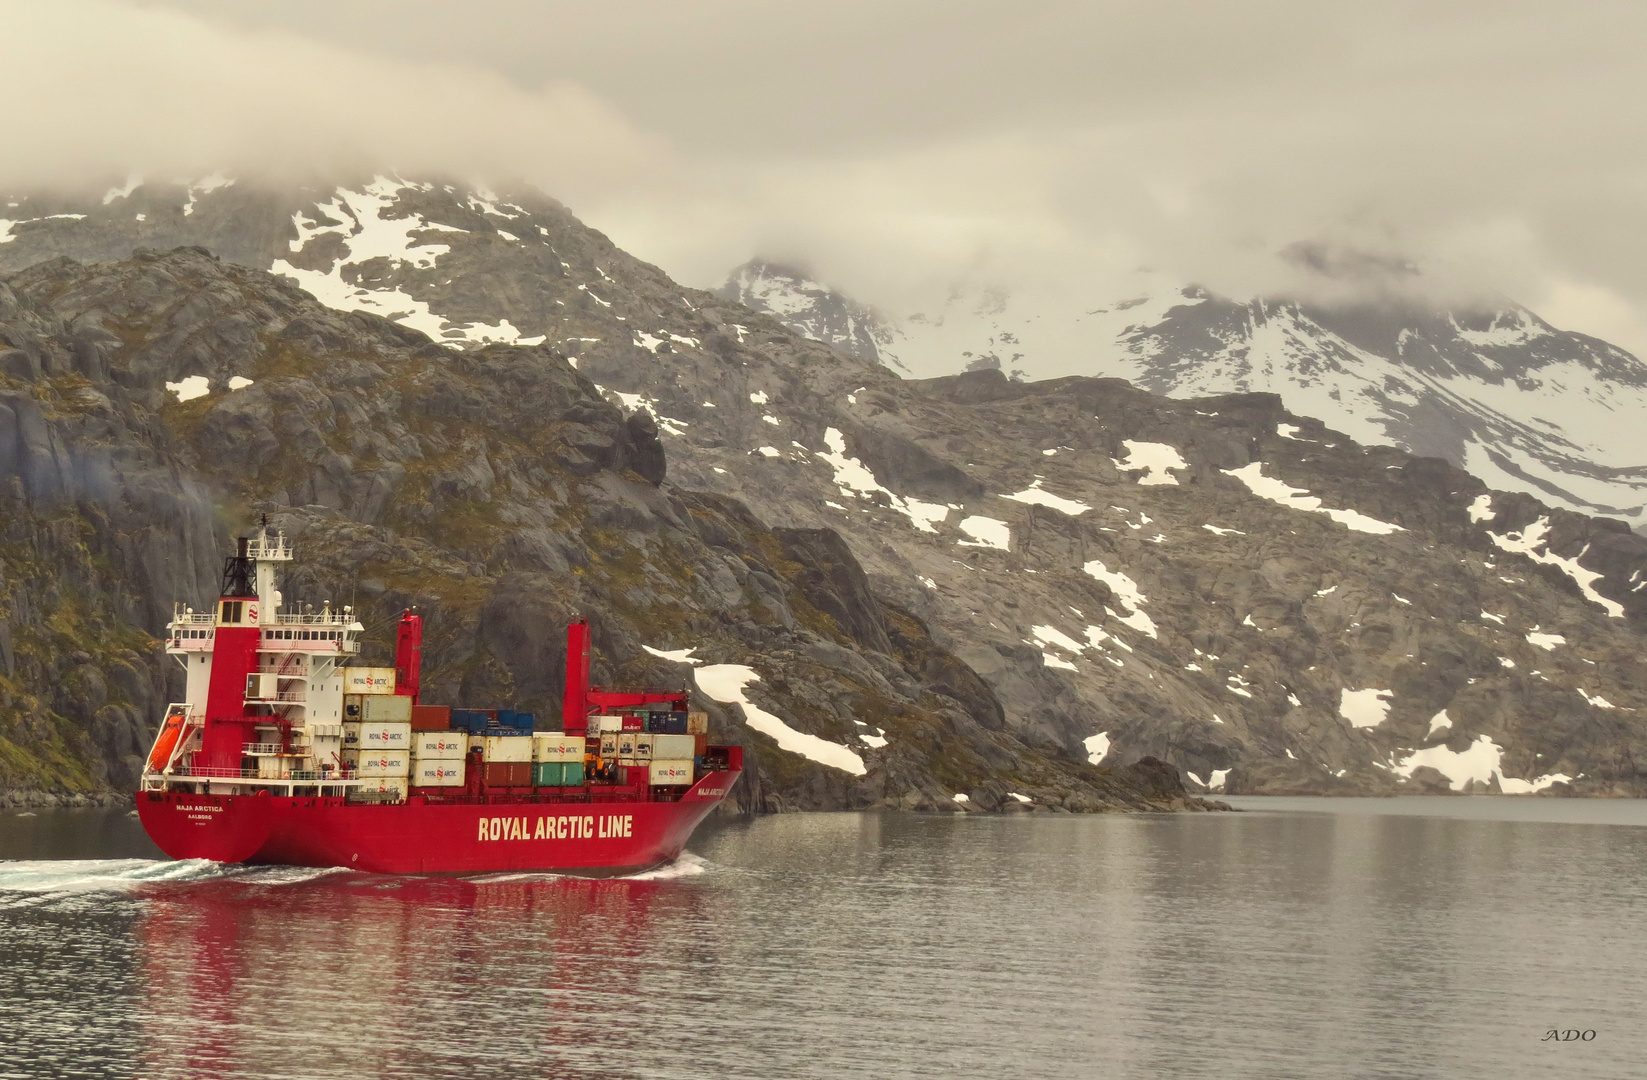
pixel 902 148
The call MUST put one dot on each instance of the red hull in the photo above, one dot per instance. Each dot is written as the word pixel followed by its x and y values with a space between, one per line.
pixel 597 833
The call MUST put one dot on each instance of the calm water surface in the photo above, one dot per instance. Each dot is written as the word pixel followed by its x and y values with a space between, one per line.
pixel 1301 938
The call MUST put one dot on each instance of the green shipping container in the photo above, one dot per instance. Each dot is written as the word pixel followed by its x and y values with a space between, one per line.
pixel 557 774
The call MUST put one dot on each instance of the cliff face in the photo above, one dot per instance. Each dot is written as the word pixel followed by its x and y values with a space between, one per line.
pixel 1215 582
pixel 494 488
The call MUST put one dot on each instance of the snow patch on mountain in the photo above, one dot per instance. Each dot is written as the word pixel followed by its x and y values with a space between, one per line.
pixel 367 229
pixel 1267 487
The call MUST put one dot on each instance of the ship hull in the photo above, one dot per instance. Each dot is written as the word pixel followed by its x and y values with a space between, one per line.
pixel 602 834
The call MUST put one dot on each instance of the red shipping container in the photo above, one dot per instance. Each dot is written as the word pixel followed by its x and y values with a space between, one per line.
pixel 431 718
pixel 700 745
pixel 499 773
pixel 637 775
pixel 633 723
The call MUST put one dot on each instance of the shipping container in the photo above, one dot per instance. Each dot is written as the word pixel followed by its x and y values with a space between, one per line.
pixel 508 773
pixel 603 724
pixel 671 773
pixel 519 721
pixel 473 721
pixel 609 744
pixel 557 774
pixel 439 745
pixel 635 775
pixel 386 708
pixel 377 736
pixel 667 723
pixel 697 723
pixel 673 747
pixel 557 748
pixel 378 762
pixel 431 718
pixel 442 773
pixel 388 785
pixel 369 680
pixel 700 745
pixel 633 723
pixel 503 748
pixel 626 745
pixel 643 748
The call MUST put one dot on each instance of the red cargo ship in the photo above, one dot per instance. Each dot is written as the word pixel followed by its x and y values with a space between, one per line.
pixel 284 753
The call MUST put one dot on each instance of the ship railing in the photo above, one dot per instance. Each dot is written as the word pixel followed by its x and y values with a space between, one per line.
pixel 284 697
pixel 317 618
pixel 261 548
pixel 194 618
pixel 266 749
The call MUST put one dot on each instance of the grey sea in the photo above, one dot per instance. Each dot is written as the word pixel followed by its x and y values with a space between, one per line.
pixel 1298 938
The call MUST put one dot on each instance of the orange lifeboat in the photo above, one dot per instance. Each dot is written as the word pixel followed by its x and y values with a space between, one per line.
pixel 165 744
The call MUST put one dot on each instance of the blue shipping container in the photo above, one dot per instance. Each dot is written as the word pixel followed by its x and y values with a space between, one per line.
pixel 471 720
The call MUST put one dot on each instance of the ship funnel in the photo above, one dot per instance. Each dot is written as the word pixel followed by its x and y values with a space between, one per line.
pixel 237 572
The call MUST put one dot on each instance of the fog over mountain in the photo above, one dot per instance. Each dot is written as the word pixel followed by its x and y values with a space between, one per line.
pixel 1044 148
pixel 1488 386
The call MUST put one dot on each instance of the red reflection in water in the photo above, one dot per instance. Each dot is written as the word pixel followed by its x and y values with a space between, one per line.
pixel 370 972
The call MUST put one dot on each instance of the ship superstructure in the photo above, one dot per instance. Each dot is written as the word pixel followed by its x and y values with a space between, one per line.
pixel 264 687
pixel 286 751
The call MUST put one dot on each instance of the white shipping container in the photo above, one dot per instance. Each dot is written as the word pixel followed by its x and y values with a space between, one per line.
pixel 673 747
pixel 377 736
pixel 443 773
pixel 389 708
pixel 392 784
pixel 557 748
pixel 643 747
pixel 442 745
pixel 626 745
pixel 378 762
pixel 369 680
pixel 672 772
pixel 697 723
pixel 609 745
pixel 602 724
pixel 504 748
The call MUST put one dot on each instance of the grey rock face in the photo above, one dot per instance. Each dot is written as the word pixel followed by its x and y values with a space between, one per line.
pixel 494 489
pixel 1073 569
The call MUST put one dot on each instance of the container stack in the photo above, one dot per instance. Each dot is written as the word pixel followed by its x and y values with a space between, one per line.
pixel 672 757
pixel 506 758
pixel 557 760
pixel 438 759
pixel 377 741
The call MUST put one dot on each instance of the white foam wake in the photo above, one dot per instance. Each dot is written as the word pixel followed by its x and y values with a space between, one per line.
pixel 44 876
pixel 688 865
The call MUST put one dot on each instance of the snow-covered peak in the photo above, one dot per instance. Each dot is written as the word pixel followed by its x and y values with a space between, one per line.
pixel 1493 389
pixel 812 309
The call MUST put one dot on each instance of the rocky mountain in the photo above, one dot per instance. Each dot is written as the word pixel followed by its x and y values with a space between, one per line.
pixel 1240 591
pixel 149 404
pixel 1495 390
pixel 811 309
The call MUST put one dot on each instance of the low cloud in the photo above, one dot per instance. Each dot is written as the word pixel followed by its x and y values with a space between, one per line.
pixel 906 152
